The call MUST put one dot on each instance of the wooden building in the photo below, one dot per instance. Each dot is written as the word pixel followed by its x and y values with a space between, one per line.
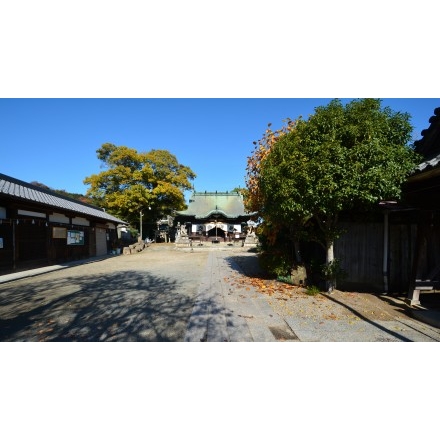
pixel 422 191
pixel 40 227
pixel 215 216
pixel 395 248
pixel 376 249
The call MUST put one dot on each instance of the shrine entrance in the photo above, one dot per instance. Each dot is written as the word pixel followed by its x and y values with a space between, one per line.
pixel 214 217
pixel 216 232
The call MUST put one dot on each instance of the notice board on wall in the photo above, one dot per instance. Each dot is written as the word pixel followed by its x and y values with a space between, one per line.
pixel 75 237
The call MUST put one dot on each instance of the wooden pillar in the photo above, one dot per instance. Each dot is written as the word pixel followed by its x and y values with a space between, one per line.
pixel 14 244
pixel 92 240
pixel 49 249
pixel 420 259
pixel 385 262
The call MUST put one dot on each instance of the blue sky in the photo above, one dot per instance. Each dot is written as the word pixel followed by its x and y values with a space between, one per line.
pixel 54 141
pixel 199 49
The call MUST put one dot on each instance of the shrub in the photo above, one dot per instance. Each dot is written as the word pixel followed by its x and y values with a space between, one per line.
pixel 285 279
pixel 333 271
pixel 275 263
pixel 312 290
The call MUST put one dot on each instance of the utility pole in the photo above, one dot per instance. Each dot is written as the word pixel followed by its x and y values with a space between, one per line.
pixel 140 221
pixel 141 214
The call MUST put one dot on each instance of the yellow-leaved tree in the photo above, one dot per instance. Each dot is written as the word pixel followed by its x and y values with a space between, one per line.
pixel 135 181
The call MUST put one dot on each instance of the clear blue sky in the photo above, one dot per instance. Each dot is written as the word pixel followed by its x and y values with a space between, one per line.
pixel 54 141
pixel 201 49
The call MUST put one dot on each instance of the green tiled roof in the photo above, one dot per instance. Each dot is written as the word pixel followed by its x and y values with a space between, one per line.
pixel 204 204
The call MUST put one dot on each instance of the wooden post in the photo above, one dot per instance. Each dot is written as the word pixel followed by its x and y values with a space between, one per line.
pixel 419 262
pixel 385 252
pixel 14 247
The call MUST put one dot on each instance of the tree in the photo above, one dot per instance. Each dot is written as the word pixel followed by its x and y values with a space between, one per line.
pixel 254 200
pixel 134 181
pixel 274 227
pixel 340 158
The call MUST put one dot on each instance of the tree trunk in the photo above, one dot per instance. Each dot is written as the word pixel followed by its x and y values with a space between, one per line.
pixel 298 258
pixel 330 256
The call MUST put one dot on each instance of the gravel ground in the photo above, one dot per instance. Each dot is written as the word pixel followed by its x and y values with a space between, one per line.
pixel 223 293
pixel 142 297
pixel 340 316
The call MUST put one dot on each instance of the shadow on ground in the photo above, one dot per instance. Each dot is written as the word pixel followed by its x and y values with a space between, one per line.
pixel 393 310
pixel 248 264
pixel 123 306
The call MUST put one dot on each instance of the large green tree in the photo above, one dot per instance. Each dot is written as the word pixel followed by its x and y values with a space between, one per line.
pixel 275 225
pixel 342 157
pixel 135 181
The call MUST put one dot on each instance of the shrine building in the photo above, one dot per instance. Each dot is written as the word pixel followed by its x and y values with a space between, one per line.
pixel 215 216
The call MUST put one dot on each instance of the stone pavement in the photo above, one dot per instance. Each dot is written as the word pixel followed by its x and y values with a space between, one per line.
pixel 228 309
pixel 201 295
pixel 226 313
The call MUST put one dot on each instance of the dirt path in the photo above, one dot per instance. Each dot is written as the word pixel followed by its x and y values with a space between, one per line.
pixel 152 296
pixel 141 297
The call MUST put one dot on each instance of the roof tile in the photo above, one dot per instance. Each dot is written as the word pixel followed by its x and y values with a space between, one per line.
pixel 17 188
pixel 202 205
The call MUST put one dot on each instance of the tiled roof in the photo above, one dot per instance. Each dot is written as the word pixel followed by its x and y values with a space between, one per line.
pixel 429 164
pixel 429 145
pixel 203 205
pixel 25 191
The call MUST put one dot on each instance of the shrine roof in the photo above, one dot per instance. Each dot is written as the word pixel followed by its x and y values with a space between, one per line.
pixel 206 204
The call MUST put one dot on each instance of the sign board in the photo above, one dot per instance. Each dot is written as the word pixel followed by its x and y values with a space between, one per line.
pixel 58 232
pixel 75 237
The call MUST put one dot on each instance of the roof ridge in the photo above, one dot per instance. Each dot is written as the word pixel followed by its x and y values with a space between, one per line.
pixel 46 191
pixel 20 189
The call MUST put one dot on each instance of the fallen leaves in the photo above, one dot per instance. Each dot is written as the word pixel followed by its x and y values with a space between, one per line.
pixel 266 287
pixel 332 316
pixel 292 300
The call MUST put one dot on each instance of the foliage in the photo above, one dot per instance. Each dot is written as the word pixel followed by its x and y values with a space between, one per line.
pixel 275 263
pixel 285 279
pixel 134 181
pixel 238 190
pixel 254 199
pixel 275 246
pixel 257 200
pixel 312 290
pixel 333 271
pixel 340 158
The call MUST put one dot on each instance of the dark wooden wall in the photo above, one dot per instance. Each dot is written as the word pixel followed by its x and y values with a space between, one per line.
pixel 360 251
